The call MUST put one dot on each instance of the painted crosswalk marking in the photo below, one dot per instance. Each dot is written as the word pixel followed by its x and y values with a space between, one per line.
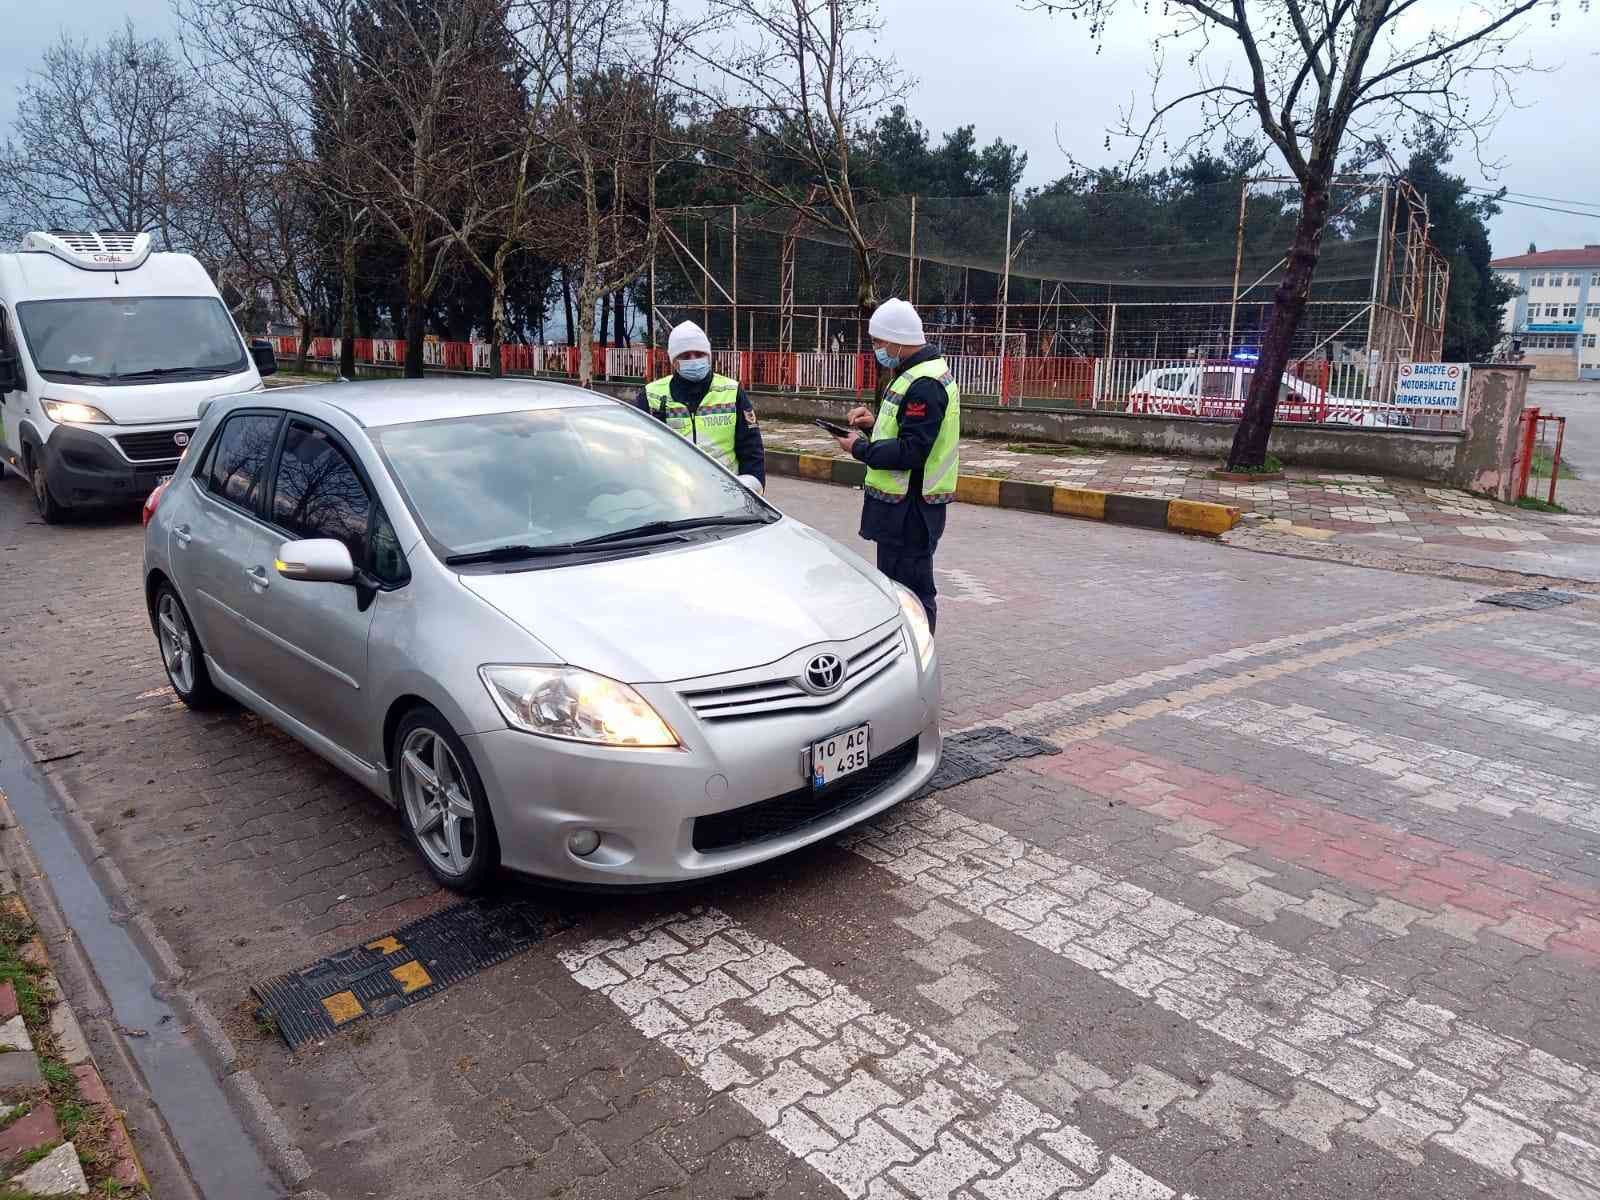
pixel 877 1108
pixel 1431 688
pixel 968 588
pixel 1424 773
pixel 1401 1074
pixel 1574 651
pixel 1050 713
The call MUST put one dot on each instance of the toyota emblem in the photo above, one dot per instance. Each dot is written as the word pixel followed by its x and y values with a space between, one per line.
pixel 180 439
pixel 824 673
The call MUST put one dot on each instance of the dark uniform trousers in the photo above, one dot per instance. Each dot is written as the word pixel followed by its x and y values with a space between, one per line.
pixel 912 567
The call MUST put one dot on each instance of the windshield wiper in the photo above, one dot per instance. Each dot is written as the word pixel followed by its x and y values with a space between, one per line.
pixel 71 374
pixel 515 553
pixel 506 554
pixel 655 527
pixel 160 372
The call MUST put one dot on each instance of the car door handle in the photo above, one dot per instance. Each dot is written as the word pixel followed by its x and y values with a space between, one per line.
pixel 183 535
pixel 258 576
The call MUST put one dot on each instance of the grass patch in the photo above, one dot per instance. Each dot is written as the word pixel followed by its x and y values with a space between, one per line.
pixel 86 1126
pixel 1534 504
pixel 1271 466
pixel 1543 456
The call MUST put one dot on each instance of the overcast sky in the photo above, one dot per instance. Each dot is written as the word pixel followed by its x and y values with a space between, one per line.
pixel 1038 81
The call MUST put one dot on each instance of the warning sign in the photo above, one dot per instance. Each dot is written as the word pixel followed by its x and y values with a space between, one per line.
pixel 1431 385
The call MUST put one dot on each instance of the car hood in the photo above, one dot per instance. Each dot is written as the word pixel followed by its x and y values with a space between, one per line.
pixel 724 605
pixel 158 403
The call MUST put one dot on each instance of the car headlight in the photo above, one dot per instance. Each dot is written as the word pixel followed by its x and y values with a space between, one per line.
pixel 70 412
pixel 576 705
pixel 917 621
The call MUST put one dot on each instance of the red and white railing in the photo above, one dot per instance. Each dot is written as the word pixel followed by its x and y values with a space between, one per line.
pixel 1312 391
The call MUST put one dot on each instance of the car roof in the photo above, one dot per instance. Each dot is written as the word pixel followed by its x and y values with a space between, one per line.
pixel 374 403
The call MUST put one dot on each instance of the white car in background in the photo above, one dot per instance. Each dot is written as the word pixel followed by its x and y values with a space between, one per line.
pixel 1220 391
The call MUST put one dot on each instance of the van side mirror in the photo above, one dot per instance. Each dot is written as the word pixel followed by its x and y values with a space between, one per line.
pixel 266 358
pixel 10 374
pixel 316 560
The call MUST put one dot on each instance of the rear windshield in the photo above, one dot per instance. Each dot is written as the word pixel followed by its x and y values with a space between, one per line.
pixel 139 340
pixel 552 476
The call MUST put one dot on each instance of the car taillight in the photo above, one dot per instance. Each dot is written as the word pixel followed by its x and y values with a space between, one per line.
pixel 151 501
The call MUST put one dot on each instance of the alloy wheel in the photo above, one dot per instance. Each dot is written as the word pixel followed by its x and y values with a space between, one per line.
pixel 177 643
pixel 438 802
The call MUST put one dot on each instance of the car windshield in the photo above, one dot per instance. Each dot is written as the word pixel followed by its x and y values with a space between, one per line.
pixel 131 341
pixel 548 478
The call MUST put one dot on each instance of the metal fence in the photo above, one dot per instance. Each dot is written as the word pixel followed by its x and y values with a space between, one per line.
pixel 1317 391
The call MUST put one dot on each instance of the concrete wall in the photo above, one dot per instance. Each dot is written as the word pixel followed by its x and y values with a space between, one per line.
pixel 1496 396
pixel 1479 458
pixel 1552 364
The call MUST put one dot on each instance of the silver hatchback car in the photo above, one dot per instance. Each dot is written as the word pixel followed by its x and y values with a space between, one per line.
pixel 551 632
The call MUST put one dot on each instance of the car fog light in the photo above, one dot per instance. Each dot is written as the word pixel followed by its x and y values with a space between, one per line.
pixel 584 843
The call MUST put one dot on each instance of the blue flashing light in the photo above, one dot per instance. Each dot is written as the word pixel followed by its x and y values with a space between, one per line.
pixel 1246 356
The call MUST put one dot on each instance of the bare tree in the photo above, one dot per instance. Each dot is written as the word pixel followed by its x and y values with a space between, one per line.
pixel 793 80
pixel 262 212
pixel 103 138
pixel 1321 80
pixel 289 66
pixel 508 213
pixel 605 127
pixel 431 84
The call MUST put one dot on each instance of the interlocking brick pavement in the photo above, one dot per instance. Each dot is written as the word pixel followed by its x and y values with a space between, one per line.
pixel 1386 512
pixel 1198 952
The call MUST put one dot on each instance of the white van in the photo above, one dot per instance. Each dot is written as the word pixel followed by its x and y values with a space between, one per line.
pixel 1219 390
pixel 107 352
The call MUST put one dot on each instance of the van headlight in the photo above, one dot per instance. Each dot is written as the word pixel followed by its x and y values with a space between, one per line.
pixel 576 705
pixel 71 412
pixel 917 622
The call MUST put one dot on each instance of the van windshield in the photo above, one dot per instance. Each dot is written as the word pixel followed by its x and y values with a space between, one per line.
pixel 138 340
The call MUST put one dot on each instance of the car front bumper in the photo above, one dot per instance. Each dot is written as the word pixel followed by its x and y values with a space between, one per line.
pixel 744 775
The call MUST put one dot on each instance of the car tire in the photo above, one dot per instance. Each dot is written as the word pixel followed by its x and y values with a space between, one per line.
pixel 443 807
pixel 51 511
pixel 182 656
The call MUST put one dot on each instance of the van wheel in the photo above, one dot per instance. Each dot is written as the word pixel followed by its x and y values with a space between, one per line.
pixel 51 510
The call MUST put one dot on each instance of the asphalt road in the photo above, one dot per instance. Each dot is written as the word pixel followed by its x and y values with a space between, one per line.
pixel 1304 899
pixel 1580 404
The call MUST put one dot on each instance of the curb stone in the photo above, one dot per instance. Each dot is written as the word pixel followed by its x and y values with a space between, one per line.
pixel 61 1173
pixel 1179 516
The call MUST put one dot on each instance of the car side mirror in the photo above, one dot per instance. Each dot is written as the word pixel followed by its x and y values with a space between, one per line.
pixel 10 374
pixel 316 560
pixel 265 356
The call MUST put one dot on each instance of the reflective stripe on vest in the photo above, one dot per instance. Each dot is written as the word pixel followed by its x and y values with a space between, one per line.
pixel 712 427
pixel 944 459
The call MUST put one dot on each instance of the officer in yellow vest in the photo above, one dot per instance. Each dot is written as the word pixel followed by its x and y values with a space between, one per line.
pixel 912 453
pixel 707 409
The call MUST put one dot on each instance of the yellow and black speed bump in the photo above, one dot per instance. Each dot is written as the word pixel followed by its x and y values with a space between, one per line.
pixel 411 964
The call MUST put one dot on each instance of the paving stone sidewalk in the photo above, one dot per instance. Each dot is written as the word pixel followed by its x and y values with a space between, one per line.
pixel 1386 512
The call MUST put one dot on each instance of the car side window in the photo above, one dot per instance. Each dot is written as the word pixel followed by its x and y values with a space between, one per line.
pixel 388 560
pixel 1218 383
pixel 238 467
pixel 319 493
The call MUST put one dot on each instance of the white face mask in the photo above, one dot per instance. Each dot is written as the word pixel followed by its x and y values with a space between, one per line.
pixel 693 370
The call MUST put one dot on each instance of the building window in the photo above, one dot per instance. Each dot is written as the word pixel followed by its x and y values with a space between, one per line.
pixel 1569 312
pixel 1574 281
pixel 1589 341
pixel 1594 280
pixel 1536 281
pixel 1592 310
pixel 1533 312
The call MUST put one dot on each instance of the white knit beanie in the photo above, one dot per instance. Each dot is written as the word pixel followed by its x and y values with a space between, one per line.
pixel 687 336
pixel 896 321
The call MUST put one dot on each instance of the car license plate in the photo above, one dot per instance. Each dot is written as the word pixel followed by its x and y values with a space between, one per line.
pixel 843 754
